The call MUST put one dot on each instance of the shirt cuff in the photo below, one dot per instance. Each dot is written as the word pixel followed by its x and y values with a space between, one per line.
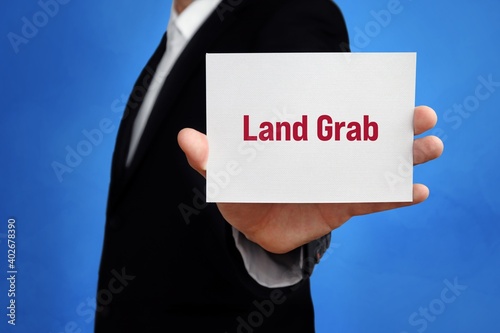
pixel 269 269
pixel 279 270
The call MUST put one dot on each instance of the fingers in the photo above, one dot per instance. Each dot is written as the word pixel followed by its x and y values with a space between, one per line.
pixel 424 118
pixel 420 194
pixel 195 145
pixel 426 149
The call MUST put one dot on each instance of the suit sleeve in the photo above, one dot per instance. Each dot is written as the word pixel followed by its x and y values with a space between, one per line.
pixel 305 26
pixel 299 26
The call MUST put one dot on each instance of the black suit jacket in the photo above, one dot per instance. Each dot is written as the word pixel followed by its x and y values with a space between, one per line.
pixel 169 258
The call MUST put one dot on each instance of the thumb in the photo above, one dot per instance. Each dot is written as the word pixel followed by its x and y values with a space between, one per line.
pixel 195 145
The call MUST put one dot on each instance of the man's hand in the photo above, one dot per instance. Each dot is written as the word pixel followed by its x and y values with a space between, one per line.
pixel 280 228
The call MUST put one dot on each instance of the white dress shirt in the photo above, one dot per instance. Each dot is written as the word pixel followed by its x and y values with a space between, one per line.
pixel 268 269
pixel 180 29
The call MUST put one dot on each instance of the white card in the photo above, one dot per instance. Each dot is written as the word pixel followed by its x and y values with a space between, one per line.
pixel 310 127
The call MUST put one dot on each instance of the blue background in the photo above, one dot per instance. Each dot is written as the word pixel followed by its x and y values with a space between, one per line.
pixel 381 272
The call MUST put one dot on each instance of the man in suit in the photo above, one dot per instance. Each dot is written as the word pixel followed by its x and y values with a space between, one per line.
pixel 169 259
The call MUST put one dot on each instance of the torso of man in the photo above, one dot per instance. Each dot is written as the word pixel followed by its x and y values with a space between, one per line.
pixel 169 259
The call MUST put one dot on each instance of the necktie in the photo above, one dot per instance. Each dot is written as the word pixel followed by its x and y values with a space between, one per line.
pixel 175 43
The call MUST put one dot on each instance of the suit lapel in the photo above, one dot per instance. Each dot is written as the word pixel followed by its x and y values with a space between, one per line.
pixel 193 54
pixel 118 170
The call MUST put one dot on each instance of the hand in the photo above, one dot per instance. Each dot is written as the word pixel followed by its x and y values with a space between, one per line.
pixel 280 228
